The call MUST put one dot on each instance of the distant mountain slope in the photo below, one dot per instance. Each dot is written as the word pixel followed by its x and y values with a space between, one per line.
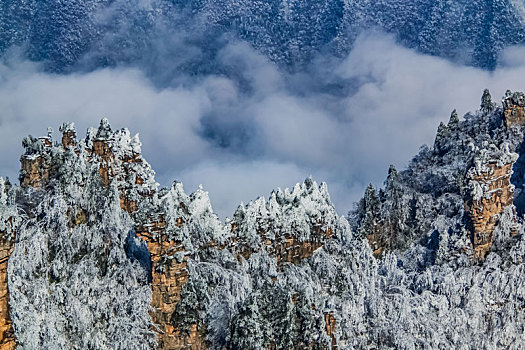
pixel 68 35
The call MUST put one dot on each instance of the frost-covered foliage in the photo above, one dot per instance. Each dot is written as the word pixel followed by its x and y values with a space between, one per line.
pixel 249 301
pixel 98 33
pixel 190 218
pixel 430 294
pixel 71 284
pixel 377 303
pixel 425 203
pixel 386 306
pixel 400 301
pixel 8 212
pixel 299 213
pixel 385 303
pixel 78 276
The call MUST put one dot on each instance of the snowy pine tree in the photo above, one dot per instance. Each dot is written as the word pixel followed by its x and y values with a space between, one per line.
pixel 441 134
pixel 247 330
pixel 486 102
pixel 453 121
pixel 368 210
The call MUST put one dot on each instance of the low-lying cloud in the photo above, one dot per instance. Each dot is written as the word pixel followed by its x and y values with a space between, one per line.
pixel 242 134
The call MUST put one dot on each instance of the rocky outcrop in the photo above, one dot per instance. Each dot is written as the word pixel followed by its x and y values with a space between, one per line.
pixel 169 275
pixel 331 323
pixel 69 135
pixel 378 242
pixel 285 226
pixel 514 108
pixel 117 158
pixel 491 192
pixel 7 337
pixel 35 163
pixel 287 249
pixel 34 171
pixel 293 251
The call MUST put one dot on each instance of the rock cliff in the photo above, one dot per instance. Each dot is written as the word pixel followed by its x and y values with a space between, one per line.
pixel 491 193
pixel 514 108
pixel 465 180
pixel 7 221
pixel 7 339
pixel 290 227
pixel 94 254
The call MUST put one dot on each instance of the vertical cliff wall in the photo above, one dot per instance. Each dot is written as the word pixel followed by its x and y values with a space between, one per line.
pixel 7 338
pixel 7 220
pixel 514 108
pixel 114 258
pixel 492 193
pixel 169 275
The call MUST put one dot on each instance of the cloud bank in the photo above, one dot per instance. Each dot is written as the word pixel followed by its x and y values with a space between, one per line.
pixel 256 128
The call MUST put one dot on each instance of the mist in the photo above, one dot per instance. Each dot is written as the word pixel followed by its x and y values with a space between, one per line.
pixel 255 127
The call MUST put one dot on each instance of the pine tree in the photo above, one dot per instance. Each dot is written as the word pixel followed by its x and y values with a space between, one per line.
pixel 247 327
pixel 486 102
pixel 187 310
pixel 453 123
pixel 394 212
pixel 104 130
pixel 284 323
pixel 306 318
pixel 3 193
pixel 442 133
pixel 369 208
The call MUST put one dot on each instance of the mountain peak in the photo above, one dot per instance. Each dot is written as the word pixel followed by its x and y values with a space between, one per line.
pixel 282 272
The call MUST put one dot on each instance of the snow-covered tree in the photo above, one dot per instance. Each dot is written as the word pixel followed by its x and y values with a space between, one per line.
pixel 486 102
pixel 369 210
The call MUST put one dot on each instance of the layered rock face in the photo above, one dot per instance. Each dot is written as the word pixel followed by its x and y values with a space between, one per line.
pixel 331 325
pixel 290 227
pixel 491 193
pixel 35 163
pixel 489 179
pixel 514 108
pixel 168 278
pixel 294 251
pixel 7 221
pixel 118 263
pixel 7 338
pixel 287 249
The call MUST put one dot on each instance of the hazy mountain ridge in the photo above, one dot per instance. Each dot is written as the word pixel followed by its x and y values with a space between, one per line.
pixel 95 241
pixel 74 35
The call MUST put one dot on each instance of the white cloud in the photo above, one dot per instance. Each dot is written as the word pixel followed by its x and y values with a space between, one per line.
pixel 231 183
pixel 242 136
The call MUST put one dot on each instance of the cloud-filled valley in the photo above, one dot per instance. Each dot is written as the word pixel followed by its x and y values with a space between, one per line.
pixel 409 233
pixel 253 127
